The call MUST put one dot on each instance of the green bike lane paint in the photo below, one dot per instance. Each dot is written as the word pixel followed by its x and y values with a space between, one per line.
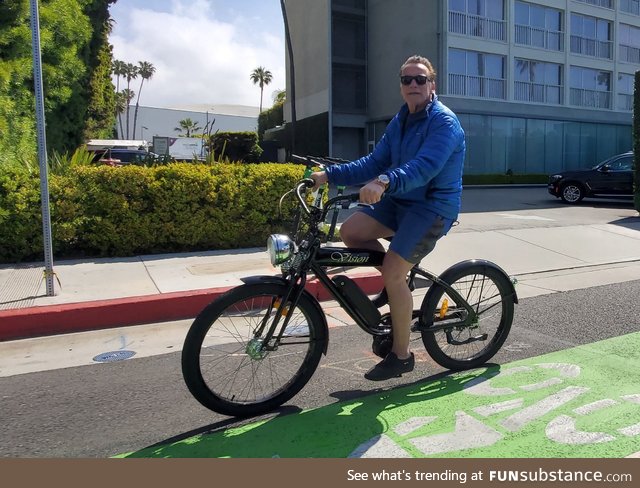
pixel 580 402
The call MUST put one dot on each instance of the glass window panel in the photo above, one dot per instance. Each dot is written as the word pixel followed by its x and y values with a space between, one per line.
pixel 572 146
pixel 589 27
pixel 537 16
pixel 553 148
pixel 457 5
pixel 553 20
pixel 534 156
pixel 576 25
pixel 474 64
pixel 495 9
pixel 475 7
pixel 521 70
pixel 494 66
pixel 457 61
pixel 603 81
pixel 575 77
pixel 500 135
pixel 624 34
pixel 588 143
pixel 522 13
pixel 604 30
pixel 478 144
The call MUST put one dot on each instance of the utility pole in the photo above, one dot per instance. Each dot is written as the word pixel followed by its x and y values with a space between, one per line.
pixel 42 148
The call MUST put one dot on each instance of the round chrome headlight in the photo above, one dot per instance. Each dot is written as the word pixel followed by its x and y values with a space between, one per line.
pixel 280 248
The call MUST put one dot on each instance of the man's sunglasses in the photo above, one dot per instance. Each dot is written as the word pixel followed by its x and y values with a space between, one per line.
pixel 420 79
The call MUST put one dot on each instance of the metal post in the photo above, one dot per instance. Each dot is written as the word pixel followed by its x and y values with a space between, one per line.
pixel 42 148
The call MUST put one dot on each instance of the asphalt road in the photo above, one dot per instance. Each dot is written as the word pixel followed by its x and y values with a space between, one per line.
pixel 107 409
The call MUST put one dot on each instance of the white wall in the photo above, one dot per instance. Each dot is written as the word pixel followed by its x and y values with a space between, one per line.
pixel 154 121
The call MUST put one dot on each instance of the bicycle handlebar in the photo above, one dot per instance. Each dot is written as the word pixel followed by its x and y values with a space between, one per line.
pixel 309 183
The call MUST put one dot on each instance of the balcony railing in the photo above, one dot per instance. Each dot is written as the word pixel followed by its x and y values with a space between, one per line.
pixel 630 54
pixel 476 26
pixel 630 6
pixel 590 98
pixel 625 102
pixel 545 39
pixel 591 47
pixel 538 92
pixel 477 86
pixel 599 3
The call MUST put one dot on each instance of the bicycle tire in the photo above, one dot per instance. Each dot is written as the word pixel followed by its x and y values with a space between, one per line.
pixel 492 298
pixel 217 363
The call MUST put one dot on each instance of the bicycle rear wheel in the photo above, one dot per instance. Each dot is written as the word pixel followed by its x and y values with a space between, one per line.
pixel 489 292
pixel 227 365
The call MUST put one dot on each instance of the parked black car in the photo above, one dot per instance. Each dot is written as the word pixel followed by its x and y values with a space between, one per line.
pixel 611 178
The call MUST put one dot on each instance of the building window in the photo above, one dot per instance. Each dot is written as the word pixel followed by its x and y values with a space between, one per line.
pixel 625 91
pixel 599 3
pixel 629 40
pixel 537 81
pixel 475 74
pixel 630 6
pixel 590 88
pixel 478 18
pixel 349 37
pixel 591 36
pixel 349 88
pixel 539 26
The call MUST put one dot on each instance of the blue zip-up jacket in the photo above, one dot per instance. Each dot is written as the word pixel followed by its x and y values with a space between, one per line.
pixel 423 155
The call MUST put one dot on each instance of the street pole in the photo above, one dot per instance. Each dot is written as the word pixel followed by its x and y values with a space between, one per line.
pixel 42 148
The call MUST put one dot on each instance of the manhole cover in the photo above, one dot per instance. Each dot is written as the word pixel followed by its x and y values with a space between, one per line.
pixel 110 357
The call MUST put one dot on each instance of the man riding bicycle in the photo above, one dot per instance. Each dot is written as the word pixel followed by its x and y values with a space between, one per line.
pixel 417 167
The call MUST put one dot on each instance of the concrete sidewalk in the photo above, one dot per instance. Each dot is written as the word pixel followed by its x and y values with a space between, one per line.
pixel 102 293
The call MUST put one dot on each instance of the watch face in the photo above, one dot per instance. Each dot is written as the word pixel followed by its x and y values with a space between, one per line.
pixel 384 179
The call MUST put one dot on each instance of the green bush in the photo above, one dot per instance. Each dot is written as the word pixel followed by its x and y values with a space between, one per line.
pixel 115 212
pixel 506 179
pixel 236 146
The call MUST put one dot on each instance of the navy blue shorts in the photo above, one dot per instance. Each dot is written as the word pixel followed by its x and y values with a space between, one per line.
pixel 416 229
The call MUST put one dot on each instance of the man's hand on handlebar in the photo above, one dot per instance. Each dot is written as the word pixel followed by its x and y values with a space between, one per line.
pixel 371 193
pixel 320 178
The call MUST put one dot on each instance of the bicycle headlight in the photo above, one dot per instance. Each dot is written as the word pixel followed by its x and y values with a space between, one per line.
pixel 280 248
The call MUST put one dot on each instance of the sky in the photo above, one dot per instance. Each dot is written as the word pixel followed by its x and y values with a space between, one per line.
pixel 203 50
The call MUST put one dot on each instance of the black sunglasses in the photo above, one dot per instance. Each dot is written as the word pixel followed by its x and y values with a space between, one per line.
pixel 420 79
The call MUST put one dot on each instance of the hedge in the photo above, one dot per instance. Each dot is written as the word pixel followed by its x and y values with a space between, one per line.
pixel 116 212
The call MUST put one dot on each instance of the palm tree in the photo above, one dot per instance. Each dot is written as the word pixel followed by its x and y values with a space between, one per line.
pixel 121 105
pixel 261 76
pixel 145 70
pixel 127 96
pixel 188 126
pixel 118 68
pixel 130 73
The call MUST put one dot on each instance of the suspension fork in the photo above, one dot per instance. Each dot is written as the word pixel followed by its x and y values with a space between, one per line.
pixel 285 309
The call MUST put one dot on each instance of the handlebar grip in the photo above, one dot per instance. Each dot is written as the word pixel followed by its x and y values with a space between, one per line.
pixel 308 183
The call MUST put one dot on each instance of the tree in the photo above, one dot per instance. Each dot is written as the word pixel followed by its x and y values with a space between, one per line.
pixel 187 125
pixel 130 73
pixel 127 96
pixel 261 76
pixel 76 64
pixel 118 68
pixel 146 71
pixel 279 96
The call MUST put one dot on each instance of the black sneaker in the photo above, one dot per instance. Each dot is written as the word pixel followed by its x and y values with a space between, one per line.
pixel 390 367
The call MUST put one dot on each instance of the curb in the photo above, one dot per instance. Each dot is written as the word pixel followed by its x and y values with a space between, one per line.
pixel 123 312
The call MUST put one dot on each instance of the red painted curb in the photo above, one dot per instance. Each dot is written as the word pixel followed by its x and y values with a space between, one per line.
pixel 103 314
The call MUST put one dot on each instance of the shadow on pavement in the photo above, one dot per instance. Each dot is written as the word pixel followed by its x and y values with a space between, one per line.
pixel 332 431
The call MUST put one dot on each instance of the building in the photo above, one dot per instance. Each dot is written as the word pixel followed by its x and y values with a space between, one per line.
pixel 539 86
pixel 157 121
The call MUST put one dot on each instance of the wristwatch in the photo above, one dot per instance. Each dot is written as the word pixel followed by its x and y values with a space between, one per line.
pixel 383 180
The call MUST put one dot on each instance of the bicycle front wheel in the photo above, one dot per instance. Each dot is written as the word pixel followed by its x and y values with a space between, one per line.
pixel 489 292
pixel 230 368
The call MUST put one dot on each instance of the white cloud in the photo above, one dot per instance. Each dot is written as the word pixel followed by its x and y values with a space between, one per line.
pixel 199 59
